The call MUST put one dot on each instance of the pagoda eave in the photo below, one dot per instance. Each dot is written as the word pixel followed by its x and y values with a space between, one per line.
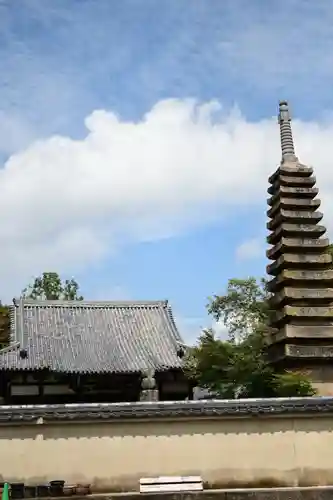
pixel 319 296
pixel 295 261
pixel 303 313
pixel 292 169
pixel 322 354
pixel 295 231
pixel 293 204
pixel 294 217
pixel 297 245
pixel 285 192
pixel 291 182
pixel 301 278
pixel 290 332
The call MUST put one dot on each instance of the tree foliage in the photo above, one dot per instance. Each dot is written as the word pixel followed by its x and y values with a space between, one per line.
pixel 239 366
pixel 49 286
pixel 4 325
pixel 243 309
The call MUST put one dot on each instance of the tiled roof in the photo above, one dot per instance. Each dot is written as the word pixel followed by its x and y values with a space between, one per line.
pixel 314 406
pixel 92 337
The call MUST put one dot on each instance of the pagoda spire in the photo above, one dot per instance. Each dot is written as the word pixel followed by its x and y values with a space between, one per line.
pixel 287 143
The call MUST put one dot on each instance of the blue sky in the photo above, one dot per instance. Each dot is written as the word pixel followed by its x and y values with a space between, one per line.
pixel 117 170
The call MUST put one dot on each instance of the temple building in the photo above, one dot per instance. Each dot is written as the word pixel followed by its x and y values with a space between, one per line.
pixel 80 352
pixel 301 269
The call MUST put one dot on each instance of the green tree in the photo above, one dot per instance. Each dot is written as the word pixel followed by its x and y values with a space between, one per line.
pixel 244 308
pixel 4 325
pixel 239 366
pixel 49 286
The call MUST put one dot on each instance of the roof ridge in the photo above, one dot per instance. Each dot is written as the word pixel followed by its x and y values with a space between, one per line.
pixel 173 323
pixel 10 347
pixel 95 303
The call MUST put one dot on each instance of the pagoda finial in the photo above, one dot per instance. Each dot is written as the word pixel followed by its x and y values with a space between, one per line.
pixel 287 143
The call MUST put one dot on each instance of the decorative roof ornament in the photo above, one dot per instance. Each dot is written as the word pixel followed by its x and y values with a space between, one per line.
pixel 149 392
pixel 148 379
pixel 287 142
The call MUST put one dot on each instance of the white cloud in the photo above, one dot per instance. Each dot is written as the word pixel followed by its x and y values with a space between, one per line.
pixel 191 328
pixel 66 203
pixel 250 249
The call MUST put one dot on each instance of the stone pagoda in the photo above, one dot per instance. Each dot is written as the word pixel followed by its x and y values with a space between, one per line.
pixel 301 269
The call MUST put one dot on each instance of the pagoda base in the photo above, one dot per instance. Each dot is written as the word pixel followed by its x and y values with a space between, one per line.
pixel 321 378
pixel 314 361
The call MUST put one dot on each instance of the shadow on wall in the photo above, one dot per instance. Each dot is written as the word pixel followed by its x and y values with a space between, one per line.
pixel 227 453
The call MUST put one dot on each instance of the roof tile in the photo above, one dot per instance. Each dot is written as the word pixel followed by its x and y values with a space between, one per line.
pixel 93 337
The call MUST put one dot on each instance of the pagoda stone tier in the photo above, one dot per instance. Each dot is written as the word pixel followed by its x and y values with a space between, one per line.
pixel 301 269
